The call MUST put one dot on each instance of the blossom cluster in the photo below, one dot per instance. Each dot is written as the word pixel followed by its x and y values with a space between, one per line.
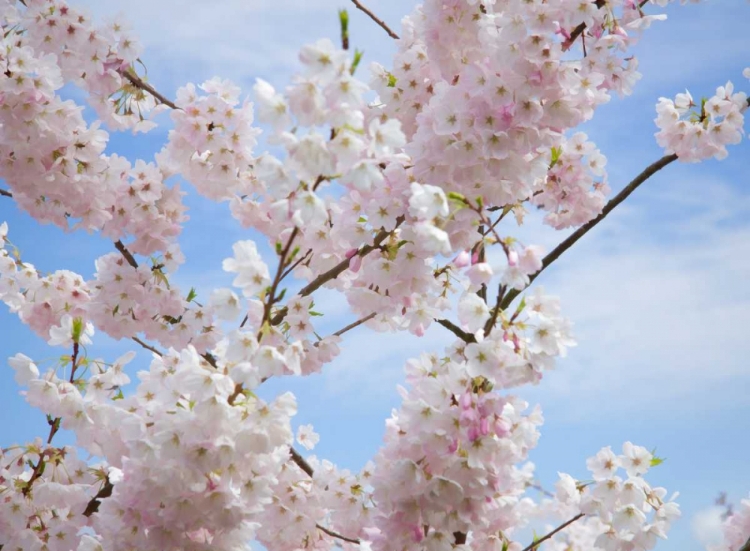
pixel 395 204
pixel 630 513
pixel 736 529
pixel 695 133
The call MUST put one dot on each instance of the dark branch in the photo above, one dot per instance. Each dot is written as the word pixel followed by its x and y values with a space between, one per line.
pixel 583 230
pixel 555 531
pixel 336 535
pixel 4 193
pixel 301 462
pixel 456 330
pixel 147 346
pixel 93 505
pixel 336 271
pixel 578 31
pixel 136 81
pixel 375 18
pixel 126 253
pixel 355 324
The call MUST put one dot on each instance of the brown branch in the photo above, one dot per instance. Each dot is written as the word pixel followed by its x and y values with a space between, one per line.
pixel 563 526
pixel 336 535
pixel 456 330
pixel 136 81
pixel 301 462
pixel 746 547
pixel 583 230
pixel 4 193
pixel 578 31
pixel 337 270
pixel 375 18
pixel 355 324
pixel 93 505
pixel 271 300
pixel 496 310
pixel 54 426
pixel 126 253
pixel 147 346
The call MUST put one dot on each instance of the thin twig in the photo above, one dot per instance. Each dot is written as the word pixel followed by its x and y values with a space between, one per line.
pixel 296 263
pixel 136 81
pixel 336 535
pixel 126 253
pixel 4 193
pixel 375 18
pixel 496 310
pixel 147 346
pixel 563 526
pixel 583 230
pixel 54 426
pixel 355 324
pixel 337 270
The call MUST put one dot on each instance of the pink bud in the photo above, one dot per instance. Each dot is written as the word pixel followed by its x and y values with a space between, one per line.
pixel 473 434
pixel 484 426
pixel 512 258
pixel 453 448
pixel 355 263
pixel 462 260
pixel 466 400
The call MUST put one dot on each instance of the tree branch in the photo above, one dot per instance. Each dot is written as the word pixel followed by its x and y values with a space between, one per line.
pixel 583 230
pixel 93 505
pixel 126 253
pixel 337 270
pixel 4 193
pixel 375 18
pixel 555 531
pixel 746 547
pixel 336 535
pixel 354 324
pixel 456 330
pixel 147 346
pixel 136 81
pixel 578 31
pixel 301 462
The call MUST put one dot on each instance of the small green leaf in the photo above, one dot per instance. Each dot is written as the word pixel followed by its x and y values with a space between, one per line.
pixel 392 80
pixel 655 460
pixel 355 62
pixel 192 295
pixel 77 329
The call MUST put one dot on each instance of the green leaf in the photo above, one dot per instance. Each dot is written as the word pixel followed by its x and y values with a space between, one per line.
pixel 355 62
pixel 192 295
pixel 315 314
pixel 392 80
pixel 655 460
pixel 77 329
pixel 556 152
pixel 455 196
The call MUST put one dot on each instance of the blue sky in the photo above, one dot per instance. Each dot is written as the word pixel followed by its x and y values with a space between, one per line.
pixel 658 292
